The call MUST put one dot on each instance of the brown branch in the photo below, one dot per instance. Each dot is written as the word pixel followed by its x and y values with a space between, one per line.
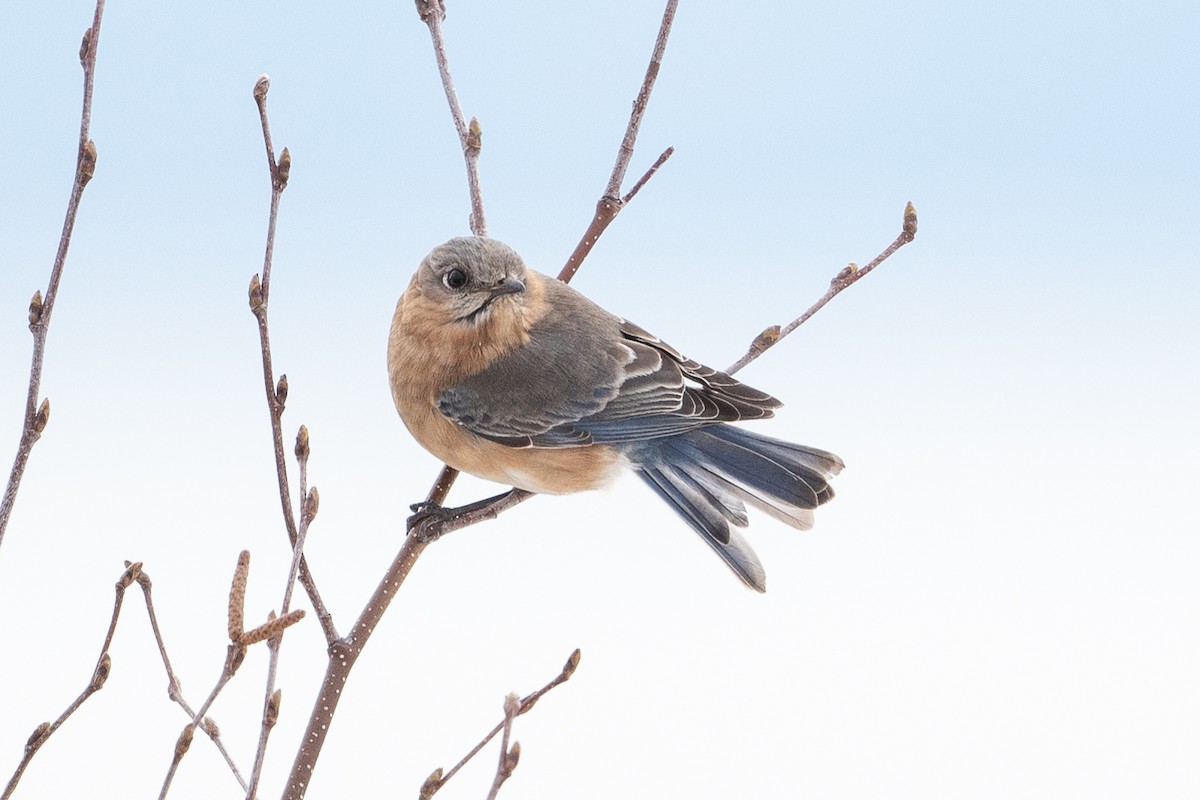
pixel 273 697
pixel 234 655
pixel 849 275
pixel 470 136
pixel 611 202
pixel 173 692
pixel 343 654
pixel 133 574
pixel 37 414
pixel 437 780
pixel 509 756
pixel 260 293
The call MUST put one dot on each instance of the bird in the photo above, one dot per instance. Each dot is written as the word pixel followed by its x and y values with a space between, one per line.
pixel 515 377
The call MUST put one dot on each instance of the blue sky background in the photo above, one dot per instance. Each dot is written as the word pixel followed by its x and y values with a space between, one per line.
pixel 1001 601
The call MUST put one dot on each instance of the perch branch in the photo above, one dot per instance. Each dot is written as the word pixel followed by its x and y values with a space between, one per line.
pixel 260 293
pixel 40 309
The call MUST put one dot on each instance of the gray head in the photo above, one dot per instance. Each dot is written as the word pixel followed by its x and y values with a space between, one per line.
pixel 467 274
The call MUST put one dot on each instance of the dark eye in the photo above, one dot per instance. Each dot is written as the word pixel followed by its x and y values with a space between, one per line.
pixel 455 279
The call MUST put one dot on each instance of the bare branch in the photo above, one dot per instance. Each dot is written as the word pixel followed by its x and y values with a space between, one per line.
pixel 625 152
pixel 133 574
pixel 611 202
pixel 508 756
pixel 843 280
pixel 234 655
pixel 206 724
pixel 260 293
pixel 437 780
pixel 308 510
pixel 470 136
pixel 37 414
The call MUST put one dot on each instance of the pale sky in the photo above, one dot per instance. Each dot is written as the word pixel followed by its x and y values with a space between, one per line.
pixel 1002 599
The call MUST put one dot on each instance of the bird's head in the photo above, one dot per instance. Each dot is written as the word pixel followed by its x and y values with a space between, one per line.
pixel 470 278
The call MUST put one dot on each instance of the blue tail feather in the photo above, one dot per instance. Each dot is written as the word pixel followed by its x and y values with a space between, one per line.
pixel 707 473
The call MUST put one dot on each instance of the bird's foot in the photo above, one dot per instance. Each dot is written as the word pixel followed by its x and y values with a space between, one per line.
pixel 427 520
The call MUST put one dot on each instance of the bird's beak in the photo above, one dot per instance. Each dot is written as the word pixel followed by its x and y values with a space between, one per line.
pixel 508 286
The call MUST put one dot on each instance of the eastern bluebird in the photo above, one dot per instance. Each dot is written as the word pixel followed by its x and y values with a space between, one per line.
pixel 515 377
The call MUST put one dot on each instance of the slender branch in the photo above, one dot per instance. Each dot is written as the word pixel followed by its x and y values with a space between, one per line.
pixel 437 780
pixel 509 757
pixel 207 725
pixel 277 391
pixel 308 502
pixel 470 136
pixel 607 209
pixel 611 202
pixel 234 655
pixel 625 152
pixel 343 654
pixel 849 275
pixel 38 414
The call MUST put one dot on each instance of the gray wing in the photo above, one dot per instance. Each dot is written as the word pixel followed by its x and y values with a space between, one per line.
pixel 586 377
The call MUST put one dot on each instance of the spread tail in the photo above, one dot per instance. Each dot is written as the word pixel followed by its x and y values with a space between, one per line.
pixel 708 475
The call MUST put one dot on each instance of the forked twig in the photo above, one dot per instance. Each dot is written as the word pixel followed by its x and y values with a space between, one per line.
pixel 37 415
pixel 611 202
pixel 437 780
pixel 133 574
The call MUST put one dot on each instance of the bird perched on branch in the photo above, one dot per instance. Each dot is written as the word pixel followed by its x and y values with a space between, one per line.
pixel 515 377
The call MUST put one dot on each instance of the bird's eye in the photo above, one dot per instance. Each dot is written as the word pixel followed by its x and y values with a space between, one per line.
pixel 455 279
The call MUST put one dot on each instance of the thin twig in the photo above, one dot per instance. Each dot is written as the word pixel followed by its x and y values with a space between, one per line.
pixel 133 574
pixel 38 414
pixel 100 674
pixel 173 691
pixel 437 780
pixel 277 391
pixel 843 280
pixel 625 152
pixel 611 202
pixel 509 757
pixel 272 696
pixel 234 655
pixel 470 135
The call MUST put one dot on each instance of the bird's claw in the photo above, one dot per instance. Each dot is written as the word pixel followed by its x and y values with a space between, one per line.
pixel 427 519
